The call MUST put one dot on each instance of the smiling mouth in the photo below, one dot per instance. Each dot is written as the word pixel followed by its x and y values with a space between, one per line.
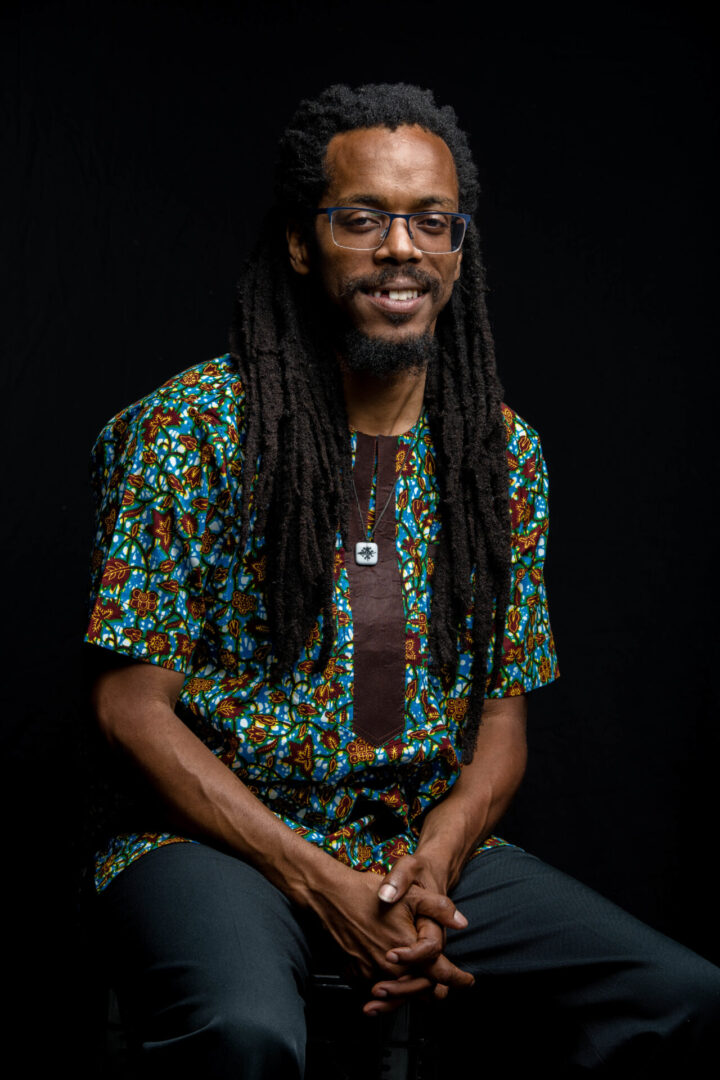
pixel 397 294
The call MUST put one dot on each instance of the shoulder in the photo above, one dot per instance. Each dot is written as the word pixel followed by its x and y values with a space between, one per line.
pixel 526 466
pixel 524 452
pixel 206 400
pixel 521 438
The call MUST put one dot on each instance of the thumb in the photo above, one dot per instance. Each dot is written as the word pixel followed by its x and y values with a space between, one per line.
pixel 397 882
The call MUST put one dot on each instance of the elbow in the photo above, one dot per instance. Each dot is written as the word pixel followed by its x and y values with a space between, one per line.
pixel 107 712
pixel 130 701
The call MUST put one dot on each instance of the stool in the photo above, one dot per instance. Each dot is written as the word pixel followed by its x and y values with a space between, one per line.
pixel 345 1044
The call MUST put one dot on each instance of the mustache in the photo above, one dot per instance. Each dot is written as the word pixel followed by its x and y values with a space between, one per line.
pixel 386 277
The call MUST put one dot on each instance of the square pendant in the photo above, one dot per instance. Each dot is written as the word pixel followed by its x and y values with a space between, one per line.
pixel 366 553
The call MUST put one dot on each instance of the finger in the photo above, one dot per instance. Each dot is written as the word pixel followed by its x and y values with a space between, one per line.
pixel 408 984
pixel 396 883
pixel 441 909
pixel 444 971
pixel 429 945
pixel 378 1008
pixel 438 967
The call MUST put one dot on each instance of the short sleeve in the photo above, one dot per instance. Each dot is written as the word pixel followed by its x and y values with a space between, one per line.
pixel 162 519
pixel 528 657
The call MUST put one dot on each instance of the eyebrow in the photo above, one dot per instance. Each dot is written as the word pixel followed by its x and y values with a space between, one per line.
pixel 375 201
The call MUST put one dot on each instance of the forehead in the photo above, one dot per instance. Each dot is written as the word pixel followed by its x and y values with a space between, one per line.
pixel 407 164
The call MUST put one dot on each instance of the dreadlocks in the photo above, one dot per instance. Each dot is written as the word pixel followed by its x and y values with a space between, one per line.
pixel 302 456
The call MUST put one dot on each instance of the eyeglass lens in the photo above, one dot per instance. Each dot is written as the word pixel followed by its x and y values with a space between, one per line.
pixel 364 230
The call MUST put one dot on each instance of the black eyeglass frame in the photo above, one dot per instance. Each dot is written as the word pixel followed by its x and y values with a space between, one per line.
pixel 329 210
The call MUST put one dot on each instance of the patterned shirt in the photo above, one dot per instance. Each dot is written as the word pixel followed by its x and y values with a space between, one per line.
pixel 171 587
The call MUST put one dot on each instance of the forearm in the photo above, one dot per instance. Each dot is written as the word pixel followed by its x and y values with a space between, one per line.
pixel 481 795
pixel 203 796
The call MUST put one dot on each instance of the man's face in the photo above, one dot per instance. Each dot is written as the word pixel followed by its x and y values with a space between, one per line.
pixel 402 171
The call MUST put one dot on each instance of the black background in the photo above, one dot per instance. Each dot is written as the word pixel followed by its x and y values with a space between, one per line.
pixel 139 141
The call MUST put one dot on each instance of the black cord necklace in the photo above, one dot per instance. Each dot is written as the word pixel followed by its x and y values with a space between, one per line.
pixel 366 551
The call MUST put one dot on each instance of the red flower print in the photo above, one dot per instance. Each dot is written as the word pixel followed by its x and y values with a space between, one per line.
pixel 243 602
pixel 196 607
pixel 520 510
pixel 159 418
pixel 104 611
pixel 529 469
pixel 228 707
pixel 394 749
pixel 161 529
pixel 529 542
pixel 158 644
pixel 360 750
pixel 109 521
pixel 116 573
pixel 143 602
pixel 330 740
pixel 456 708
pixel 301 754
pixel 184 646
pixel 188 524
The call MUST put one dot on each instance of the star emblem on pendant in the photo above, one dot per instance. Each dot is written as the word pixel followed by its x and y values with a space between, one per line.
pixel 366 553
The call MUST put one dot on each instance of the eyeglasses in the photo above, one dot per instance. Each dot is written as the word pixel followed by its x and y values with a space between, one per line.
pixel 434 232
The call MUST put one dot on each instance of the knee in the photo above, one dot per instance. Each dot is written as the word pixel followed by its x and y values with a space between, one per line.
pixel 701 1000
pixel 228 1042
pixel 689 1010
pixel 263 1045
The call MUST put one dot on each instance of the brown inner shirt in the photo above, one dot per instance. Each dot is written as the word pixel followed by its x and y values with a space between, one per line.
pixel 376 598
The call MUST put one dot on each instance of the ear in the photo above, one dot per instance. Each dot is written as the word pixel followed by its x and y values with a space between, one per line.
pixel 298 249
pixel 458 267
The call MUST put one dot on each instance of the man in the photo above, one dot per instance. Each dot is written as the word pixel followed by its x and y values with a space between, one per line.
pixel 320 560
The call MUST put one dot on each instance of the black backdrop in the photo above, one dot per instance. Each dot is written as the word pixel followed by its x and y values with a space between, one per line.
pixel 139 144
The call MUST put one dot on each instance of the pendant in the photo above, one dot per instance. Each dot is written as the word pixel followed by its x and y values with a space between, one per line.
pixel 366 553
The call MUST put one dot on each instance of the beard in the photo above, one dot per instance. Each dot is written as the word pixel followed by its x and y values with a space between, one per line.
pixel 381 358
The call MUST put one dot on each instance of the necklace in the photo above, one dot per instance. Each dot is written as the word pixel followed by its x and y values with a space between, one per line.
pixel 366 551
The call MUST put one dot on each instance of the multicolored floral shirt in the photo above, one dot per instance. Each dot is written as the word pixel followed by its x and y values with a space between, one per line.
pixel 170 587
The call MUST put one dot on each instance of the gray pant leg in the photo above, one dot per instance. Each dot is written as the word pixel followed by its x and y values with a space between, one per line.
pixel 615 996
pixel 209 965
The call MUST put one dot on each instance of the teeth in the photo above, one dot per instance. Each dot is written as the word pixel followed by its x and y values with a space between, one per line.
pixel 398 294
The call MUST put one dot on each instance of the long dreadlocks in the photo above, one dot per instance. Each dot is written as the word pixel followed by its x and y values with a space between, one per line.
pixel 297 437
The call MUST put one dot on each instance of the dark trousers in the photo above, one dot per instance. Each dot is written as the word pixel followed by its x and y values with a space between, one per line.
pixel 210 963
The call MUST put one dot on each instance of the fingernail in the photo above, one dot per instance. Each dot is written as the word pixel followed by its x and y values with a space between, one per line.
pixel 393 957
pixel 459 919
pixel 380 993
pixel 387 893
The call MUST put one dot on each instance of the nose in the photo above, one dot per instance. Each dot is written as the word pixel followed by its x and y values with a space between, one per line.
pixel 397 245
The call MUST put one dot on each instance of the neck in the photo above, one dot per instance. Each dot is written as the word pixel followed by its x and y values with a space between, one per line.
pixel 384 406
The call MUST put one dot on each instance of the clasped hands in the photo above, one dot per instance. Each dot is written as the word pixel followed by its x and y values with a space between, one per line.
pixel 396 929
